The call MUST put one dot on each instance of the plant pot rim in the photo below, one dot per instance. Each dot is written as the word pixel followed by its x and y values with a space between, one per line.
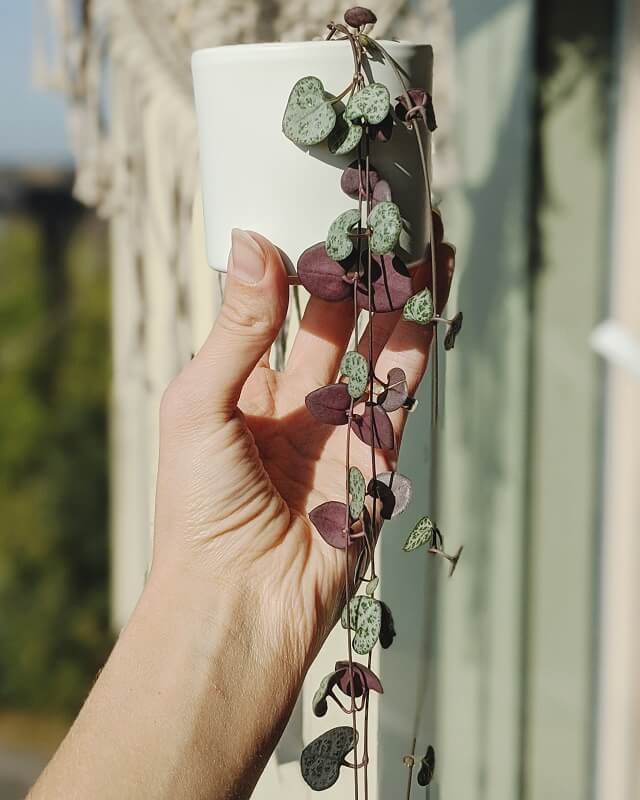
pixel 231 50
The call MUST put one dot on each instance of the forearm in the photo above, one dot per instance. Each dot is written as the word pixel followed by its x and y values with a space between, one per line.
pixel 190 704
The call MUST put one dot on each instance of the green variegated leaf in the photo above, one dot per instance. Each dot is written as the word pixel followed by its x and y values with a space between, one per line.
pixel 371 103
pixel 339 244
pixel 344 137
pixel 357 490
pixel 355 367
pixel 385 221
pixel 366 619
pixel 419 308
pixel 422 533
pixel 309 116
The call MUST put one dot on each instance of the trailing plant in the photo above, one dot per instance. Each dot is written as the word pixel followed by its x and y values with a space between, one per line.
pixel 358 260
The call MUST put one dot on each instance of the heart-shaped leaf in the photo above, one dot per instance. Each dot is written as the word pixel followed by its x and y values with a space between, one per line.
pixel 394 490
pixel 366 619
pixel 355 367
pixel 427 768
pixel 422 533
pixel 321 276
pixel 330 520
pixel 419 99
pixel 396 392
pixel 353 181
pixel 319 703
pixel 322 758
pixel 344 136
pixel 387 627
pixel 330 404
pixel 374 427
pixel 309 116
pixel 419 308
pixel 385 221
pixel 364 679
pixel 391 284
pixel 357 491
pixel 339 244
pixel 370 103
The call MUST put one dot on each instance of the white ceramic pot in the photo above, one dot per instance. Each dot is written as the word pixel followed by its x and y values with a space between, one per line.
pixel 253 177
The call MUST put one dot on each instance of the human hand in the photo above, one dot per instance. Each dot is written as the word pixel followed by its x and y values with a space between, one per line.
pixel 242 461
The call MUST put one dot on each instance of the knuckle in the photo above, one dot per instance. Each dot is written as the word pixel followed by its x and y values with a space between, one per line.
pixel 238 316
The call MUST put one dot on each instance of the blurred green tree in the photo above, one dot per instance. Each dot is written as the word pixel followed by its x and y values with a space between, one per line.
pixel 54 368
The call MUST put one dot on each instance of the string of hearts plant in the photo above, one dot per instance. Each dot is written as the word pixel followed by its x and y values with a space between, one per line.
pixel 358 261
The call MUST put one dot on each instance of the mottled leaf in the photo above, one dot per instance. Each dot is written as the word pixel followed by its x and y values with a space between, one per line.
pixel 396 392
pixel 363 679
pixel 309 116
pixel 374 427
pixel 357 492
pixel 394 491
pixel 366 619
pixel 330 404
pixel 419 308
pixel 339 244
pixel 355 367
pixel 330 520
pixel 353 182
pixel 391 284
pixel 321 276
pixel 427 768
pixel 370 103
pixel 322 758
pixel 387 627
pixel 385 221
pixel 422 533
pixel 344 136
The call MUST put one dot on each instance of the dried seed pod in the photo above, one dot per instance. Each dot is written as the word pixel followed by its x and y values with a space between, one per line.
pixel 358 16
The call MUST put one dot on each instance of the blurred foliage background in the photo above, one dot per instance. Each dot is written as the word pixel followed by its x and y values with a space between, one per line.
pixel 54 373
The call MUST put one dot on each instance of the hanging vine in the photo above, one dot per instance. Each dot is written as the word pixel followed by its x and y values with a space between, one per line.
pixel 358 261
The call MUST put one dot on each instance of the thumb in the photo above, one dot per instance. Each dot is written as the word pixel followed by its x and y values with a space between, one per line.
pixel 256 297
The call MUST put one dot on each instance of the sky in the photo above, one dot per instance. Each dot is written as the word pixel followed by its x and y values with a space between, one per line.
pixel 32 121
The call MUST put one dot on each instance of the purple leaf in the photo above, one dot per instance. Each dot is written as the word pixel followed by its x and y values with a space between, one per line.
pixel 350 181
pixel 330 404
pixel 391 284
pixel 420 99
pixel 374 427
pixel 382 131
pixel 381 193
pixel 330 521
pixel 396 392
pixel 363 679
pixel 321 276
pixel 393 490
pixel 358 16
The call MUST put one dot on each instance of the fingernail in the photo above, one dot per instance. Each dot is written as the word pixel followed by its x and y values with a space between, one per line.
pixel 246 258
